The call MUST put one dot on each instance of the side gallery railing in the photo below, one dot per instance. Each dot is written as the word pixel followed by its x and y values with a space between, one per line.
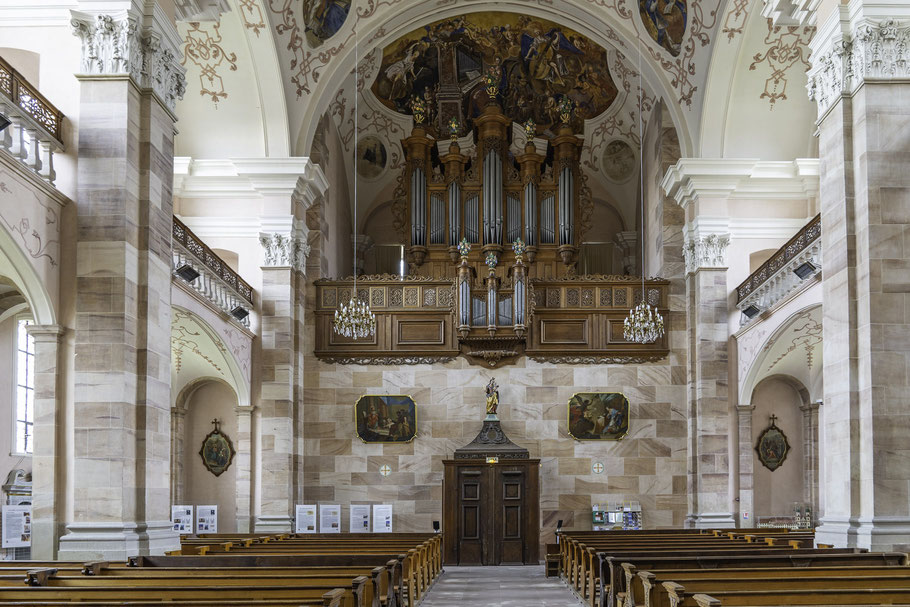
pixel 34 134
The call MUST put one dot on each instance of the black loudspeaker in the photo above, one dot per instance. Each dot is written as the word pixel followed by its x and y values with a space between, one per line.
pixel 436 526
pixel 559 524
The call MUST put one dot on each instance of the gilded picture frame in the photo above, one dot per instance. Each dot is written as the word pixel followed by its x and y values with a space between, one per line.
pixel 217 451
pixel 598 416
pixel 772 446
pixel 385 418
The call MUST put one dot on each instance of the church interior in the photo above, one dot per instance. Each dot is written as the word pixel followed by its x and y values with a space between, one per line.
pixel 368 302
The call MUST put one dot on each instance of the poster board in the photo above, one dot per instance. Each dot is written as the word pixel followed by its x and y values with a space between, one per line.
pixel 305 521
pixel 206 519
pixel 382 518
pixel 330 519
pixel 182 518
pixel 360 518
pixel 17 526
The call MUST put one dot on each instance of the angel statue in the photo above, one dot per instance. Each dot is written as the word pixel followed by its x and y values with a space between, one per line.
pixel 492 396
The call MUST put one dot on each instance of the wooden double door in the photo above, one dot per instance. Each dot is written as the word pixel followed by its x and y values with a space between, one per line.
pixel 491 512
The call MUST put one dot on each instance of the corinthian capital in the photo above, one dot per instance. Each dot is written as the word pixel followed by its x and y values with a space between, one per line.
pixel 706 252
pixel 284 250
pixel 122 43
pixel 859 51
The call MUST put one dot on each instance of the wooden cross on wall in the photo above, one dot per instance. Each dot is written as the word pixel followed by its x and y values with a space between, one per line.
pixel 217 424
pixel 773 419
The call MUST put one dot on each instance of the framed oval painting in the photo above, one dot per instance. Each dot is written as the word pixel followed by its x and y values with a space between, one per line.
pixel 217 451
pixel 598 416
pixel 385 418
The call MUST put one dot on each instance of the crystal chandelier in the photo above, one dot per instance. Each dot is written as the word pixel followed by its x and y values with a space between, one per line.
pixel 644 324
pixel 354 319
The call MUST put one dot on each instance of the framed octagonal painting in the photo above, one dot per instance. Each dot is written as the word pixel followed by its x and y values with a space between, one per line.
pixel 598 416
pixel 386 418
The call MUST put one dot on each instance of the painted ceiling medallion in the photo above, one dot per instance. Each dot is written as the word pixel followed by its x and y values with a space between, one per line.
pixel 665 21
pixel 619 161
pixel 323 18
pixel 537 61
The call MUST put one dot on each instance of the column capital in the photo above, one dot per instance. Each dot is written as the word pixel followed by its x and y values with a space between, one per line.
pixel 284 250
pixel 706 252
pixel 745 409
pixel 178 412
pixel 809 407
pixel 140 44
pixel 854 47
pixel 46 333
pixel 244 410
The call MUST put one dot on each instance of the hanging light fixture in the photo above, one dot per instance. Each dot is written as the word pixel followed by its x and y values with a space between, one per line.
pixel 354 319
pixel 644 324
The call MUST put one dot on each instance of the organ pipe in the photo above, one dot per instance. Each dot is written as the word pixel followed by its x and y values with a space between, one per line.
pixel 566 210
pixel 530 193
pixel 418 207
pixel 454 213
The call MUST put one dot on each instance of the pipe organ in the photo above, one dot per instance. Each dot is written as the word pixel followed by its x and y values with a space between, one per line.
pixel 493 230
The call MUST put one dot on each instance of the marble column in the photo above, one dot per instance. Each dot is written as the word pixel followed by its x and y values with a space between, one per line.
pixel 710 503
pixel 243 445
pixel 48 459
pixel 130 81
pixel 858 77
pixel 746 463
pixel 628 245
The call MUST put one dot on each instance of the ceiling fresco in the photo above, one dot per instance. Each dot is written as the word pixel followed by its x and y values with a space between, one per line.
pixel 665 22
pixel 539 62
pixel 323 18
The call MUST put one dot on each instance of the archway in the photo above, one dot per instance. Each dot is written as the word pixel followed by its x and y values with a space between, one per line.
pixel 207 384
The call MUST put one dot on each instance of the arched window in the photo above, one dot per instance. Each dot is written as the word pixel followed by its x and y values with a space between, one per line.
pixel 25 388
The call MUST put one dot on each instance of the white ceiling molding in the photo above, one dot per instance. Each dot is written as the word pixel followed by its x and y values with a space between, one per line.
pixel 201 10
pixel 732 178
pixel 788 13
pixel 249 178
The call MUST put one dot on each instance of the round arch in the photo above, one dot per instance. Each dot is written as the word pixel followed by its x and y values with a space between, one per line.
pixel 215 352
pixel 797 331
pixel 377 34
pixel 17 267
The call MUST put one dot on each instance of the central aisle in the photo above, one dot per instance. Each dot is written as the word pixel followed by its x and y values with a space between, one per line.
pixel 500 587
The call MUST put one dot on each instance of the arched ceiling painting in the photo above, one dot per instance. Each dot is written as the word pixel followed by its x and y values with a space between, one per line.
pixel 539 62
pixel 323 18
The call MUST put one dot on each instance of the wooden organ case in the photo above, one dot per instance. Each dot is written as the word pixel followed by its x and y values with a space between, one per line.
pixel 487 303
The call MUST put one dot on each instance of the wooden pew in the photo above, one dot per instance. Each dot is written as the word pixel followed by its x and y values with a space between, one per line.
pixel 679 597
pixel 612 579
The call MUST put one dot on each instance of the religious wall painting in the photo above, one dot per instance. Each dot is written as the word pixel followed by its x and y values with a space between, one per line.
pixel 772 446
pixel 386 418
pixel 665 21
pixel 537 61
pixel 217 450
pixel 371 157
pixel 323 18
pixel 598 416
pixel 618 161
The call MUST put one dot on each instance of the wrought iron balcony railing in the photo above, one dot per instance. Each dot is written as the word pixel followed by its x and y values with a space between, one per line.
pixel 796 261
pixel 208 274
pixel 34 133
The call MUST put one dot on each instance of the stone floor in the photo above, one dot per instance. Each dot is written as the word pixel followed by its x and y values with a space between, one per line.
pixel 498 586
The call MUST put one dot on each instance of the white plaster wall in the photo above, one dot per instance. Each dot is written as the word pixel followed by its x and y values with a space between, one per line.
pixel 211 400
pixel 775 492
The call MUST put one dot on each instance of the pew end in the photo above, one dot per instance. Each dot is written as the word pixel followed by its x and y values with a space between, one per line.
pixel 39 577
pixel 704 600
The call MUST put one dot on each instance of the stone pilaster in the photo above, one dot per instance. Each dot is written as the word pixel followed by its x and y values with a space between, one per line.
pixel 629 247
pixel 282 301
pixel 810 455
pixel 709 410
pixel 243 445
pixel 48 460
pixel 746 463
pixel 859 80
pixel 178 465
pixel 361 243
pixel 130 82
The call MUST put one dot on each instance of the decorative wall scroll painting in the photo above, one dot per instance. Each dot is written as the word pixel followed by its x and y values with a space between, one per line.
pixel 772 446
pixel 538 62
pixel 618 161
pixel 598 416
pixel 386 418
pixel 323 19
pixel 217 450
pixel 371 157
pixel 665 21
